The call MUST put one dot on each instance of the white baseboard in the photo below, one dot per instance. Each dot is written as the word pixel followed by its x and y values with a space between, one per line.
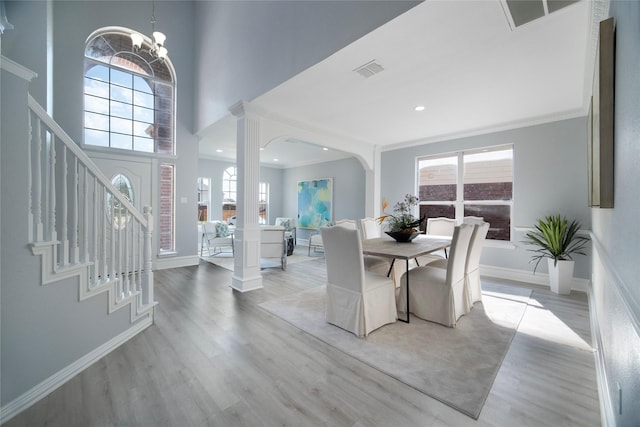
pixel 47 386
pixel 174 262
pixel 541 279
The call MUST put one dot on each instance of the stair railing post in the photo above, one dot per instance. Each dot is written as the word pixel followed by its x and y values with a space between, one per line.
pixel 148 276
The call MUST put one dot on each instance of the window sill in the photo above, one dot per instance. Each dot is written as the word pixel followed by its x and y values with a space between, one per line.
pixel 166 254
pixel 499 244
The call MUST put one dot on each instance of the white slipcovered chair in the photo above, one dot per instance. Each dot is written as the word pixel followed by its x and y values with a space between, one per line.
pixel 438 294
pixel 370 228
pixel 273 245
pixel 472 286
pixel 358 301
pixel 439 226
pixel 216 235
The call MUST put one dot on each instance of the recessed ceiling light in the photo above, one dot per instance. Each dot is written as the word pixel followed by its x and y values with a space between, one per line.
pixel 325 149
pixel 261 148
pixel 276 160
pixel 419 108
pixel 218 151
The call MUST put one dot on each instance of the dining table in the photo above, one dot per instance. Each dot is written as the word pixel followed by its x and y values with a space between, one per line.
pixel 390 248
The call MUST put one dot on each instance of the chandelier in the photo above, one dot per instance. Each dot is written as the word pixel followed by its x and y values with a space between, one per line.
pixel 157 49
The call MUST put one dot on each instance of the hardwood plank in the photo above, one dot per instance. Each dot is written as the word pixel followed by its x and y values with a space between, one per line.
pixel 213 357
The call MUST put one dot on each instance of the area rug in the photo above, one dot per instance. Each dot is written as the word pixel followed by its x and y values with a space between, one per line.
pixel 456 366
pixel 225 259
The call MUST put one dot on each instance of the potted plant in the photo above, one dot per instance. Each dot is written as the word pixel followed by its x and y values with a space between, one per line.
pixel 402 225
pixel 557 240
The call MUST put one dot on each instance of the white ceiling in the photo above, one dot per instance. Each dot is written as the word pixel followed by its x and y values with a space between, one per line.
pixel 461 60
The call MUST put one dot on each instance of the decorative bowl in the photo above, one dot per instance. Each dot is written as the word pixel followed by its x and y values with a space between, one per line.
pixel 403 237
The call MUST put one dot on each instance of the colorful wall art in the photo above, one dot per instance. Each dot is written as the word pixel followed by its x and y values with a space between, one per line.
pixel 315 198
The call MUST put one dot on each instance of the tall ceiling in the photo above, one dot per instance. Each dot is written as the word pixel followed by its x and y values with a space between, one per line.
pixel 472 65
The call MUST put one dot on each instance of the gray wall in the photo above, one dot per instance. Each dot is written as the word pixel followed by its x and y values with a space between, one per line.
pixel 550 176
pixel 213 169
pixel 617 233
pixel 26 44
pixel 250 47
pixel 348 189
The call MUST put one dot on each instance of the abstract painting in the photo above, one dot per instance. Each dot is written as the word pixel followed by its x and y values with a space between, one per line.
pixel 315 199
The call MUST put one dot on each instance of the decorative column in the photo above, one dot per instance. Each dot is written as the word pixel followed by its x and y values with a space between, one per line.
pixel 373 197
pixel 246 269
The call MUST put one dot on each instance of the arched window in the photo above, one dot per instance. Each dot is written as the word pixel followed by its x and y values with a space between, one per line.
pixel 128 97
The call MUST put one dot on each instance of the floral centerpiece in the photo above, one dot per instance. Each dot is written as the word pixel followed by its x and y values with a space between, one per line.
pixel 403 226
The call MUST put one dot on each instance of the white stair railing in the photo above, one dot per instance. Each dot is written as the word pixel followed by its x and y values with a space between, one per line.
pixel 81 224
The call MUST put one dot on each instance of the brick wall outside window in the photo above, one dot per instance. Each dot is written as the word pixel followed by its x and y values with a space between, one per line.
pixel 166 214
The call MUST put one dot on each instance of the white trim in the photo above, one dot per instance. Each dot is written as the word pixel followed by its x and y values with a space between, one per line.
pixel 541 279
pixel 17 69
pixel 631 305
pixel 632 310
pixel 246 284
pixel 174 262
pixel 58 379
pixel 607 417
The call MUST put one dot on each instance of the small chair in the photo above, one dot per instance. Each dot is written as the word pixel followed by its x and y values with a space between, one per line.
pixel 315 243
pixel 370 228
pixel 273 245
pixel 216 235
pixel 358 301
pixel 438 294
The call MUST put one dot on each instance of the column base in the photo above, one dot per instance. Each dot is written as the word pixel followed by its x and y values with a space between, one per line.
pixel 246 284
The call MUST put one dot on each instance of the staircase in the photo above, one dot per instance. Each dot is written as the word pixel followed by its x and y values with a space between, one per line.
pixel 63 224
pixel 81 225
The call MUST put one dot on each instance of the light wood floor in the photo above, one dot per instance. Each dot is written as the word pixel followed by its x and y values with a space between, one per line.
pixel 214 358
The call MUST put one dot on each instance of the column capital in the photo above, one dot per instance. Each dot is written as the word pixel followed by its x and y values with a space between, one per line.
pixel 243 108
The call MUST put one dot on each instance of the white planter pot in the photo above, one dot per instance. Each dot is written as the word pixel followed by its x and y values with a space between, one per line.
pixel 560 276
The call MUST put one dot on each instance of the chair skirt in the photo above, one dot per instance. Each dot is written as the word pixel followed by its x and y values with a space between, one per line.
pixel 362 313
pixel 430 298
pixel 473 287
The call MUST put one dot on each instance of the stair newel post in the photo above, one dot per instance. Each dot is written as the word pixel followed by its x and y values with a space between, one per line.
pixel 148 272
pixel 65 207
pixel 37 209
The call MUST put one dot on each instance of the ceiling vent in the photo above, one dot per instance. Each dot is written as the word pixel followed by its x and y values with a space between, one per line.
pixel 369 69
